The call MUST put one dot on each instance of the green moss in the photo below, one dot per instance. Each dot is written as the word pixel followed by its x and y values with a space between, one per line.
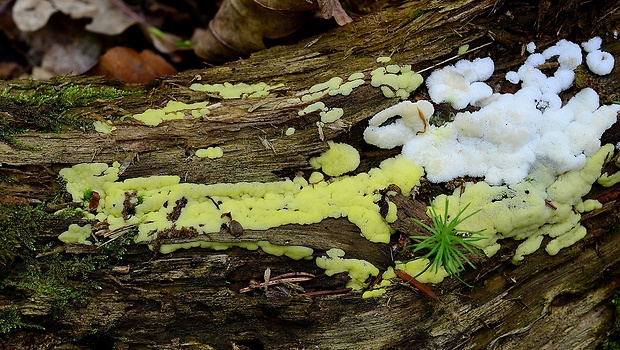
pixel 55 277
pixel 47 107
pixel 61 195
pixel 61 279
pixel 114 251
pixel 23 272
pixel 20 226
pixel 10 319
pixel 88 194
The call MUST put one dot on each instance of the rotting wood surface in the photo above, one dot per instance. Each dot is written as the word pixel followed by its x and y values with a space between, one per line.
pixel 191 299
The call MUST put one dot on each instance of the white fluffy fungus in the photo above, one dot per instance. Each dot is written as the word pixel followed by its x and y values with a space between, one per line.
pixel 600 62
pixel 461 84
pixel 414 120
pixel 511 135
pixel 592 44
pixel 531 47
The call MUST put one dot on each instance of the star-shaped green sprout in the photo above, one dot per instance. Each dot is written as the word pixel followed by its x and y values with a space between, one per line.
pixel 442 245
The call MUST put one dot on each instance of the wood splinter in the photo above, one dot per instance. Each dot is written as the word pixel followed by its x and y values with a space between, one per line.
pixel 292 277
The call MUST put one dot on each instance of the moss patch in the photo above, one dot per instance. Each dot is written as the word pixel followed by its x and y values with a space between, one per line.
pixel 57 280
pixel 20 226
pixel 11 318
pixel 46 107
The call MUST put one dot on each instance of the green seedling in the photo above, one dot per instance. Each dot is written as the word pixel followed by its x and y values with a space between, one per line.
pixel 87 194
pixel 446 246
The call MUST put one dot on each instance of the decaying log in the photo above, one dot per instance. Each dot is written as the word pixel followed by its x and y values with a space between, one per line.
pixel 191 299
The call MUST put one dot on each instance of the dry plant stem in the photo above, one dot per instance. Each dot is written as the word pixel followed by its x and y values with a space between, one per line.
pixel 294 274
pixel 128 11
pixel 264 285
pixel 116 234
pixel 415 283
pixel 326 292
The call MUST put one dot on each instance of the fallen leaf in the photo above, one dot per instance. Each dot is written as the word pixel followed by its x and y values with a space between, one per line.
pixel 128 65
pixel 64 48
pixel 31 15
pixel 107 18
pixel 333 8
pixel 240 26
pixel 10 70
pixel 165 42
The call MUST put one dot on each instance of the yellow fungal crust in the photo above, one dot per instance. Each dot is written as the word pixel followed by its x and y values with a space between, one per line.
pixel 256 206
pixel 540 206
pixel 588 205
pixel 340 158
pixel 396 81
pixel 609 180
pixel 331 115
pixel 293 252
pixel 315 177
pixel 104 127
pixel 173 110
pixel 210 152
pixel 373 293
pixel 76 234
pixel 462 49
pixel 240 90
pixel 415 267
pixel 358 270
pixel 317 106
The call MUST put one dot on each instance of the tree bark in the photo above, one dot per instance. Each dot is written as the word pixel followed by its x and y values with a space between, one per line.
pixel 190 299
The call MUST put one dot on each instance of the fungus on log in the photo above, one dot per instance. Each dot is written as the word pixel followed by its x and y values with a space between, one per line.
pixel 125 295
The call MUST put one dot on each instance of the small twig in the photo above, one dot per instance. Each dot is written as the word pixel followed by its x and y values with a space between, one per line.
pixel 274 282
pixel 119 230
pixel 376 280
pixel 453 58
pixel 550 205
pixel 267 144
pixel 127 162
pixel 326 292
pixel 314 41
pixel 519 300
pixel 214 202
pixel 418 285
pixel 115 234
pixel 51 208
pixel 515 331
pixel 57 250
pixel 266 276
pixel 293 274
pixel 129 12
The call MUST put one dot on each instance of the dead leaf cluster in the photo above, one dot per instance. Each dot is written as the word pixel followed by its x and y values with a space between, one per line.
pixel 137 41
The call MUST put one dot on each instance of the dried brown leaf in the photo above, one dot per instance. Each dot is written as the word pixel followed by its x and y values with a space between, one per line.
pixel 240 26
pixel 31 15
pixel 126 64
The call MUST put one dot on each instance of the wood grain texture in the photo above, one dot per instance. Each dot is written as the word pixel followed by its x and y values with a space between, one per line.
pixel 190 299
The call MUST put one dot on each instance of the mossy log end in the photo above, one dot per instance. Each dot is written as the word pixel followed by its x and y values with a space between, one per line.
pixel 127 297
